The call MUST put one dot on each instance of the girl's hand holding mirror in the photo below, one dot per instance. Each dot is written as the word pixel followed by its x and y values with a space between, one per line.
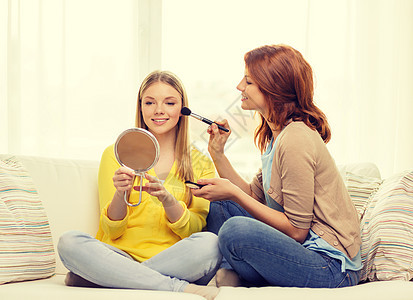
pixel 137 151
pixel 123 179
pixel 155 188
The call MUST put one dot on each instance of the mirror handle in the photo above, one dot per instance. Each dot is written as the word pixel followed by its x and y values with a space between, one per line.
pixel 125 197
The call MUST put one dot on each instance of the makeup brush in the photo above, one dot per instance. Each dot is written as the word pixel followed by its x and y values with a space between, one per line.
pixel 187 112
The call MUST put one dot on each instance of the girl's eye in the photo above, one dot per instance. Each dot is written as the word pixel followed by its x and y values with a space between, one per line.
pixel 170 103
pixel 247 82
pixel 148 102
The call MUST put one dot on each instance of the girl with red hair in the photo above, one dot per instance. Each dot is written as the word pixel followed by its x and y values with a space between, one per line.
pixel 295 224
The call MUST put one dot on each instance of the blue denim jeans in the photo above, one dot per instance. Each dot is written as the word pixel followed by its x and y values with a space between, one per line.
pixel 262 255
pixel 193 259
pixel 220 211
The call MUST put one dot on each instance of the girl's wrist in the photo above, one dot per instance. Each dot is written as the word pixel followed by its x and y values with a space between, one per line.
pixel 119 194
pixel 217 157
pixel 236 194
pixel 117 208
pixel 169 201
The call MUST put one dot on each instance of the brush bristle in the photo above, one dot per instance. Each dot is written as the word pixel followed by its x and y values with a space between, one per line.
pixel 185 111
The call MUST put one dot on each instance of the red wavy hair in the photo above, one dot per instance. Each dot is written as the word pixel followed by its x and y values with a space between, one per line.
pixel 286 80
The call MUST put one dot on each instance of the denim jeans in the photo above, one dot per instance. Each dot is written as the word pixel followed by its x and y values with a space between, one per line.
pixel 262 255
pixel 193 259
pixel 220 211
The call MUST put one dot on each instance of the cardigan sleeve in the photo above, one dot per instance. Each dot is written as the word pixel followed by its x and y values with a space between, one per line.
pixel 256 187
pixel 295 160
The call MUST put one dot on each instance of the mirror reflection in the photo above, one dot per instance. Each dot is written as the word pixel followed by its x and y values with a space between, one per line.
pixel 137 149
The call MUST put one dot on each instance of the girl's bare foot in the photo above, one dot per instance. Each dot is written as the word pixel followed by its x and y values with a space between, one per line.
pixel 225 277
pixel 208 292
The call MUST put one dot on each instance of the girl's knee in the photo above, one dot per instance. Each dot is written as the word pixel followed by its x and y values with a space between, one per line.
pixel 69 241
pixel 235 230
pixel 207 242
pixel 205 238
pixel 236 225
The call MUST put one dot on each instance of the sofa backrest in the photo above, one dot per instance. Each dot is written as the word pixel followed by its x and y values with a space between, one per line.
pixel 367 169
pixel 69 192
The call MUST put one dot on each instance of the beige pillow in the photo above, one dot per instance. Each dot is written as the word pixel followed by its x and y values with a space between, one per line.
pixel 386 231
pixel 26 246
pixel 361 188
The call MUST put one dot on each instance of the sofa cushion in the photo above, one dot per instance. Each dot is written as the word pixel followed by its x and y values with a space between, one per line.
pixel 26 247
pixel 367 169
pixel 55 288
pixel 68 190
pixel 361 188
pixel 386 231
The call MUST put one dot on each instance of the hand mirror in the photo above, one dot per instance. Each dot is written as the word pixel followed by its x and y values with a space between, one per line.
pixel 137 149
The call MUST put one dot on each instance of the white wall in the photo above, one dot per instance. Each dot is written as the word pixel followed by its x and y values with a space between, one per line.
pixel 360 52
pixel 71 70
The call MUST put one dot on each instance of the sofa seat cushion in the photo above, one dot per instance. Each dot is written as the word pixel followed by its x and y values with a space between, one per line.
pixel 385 290
pixel 54 288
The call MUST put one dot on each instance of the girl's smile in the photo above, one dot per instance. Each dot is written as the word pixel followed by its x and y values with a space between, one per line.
pixel 161 108
pixel 251 96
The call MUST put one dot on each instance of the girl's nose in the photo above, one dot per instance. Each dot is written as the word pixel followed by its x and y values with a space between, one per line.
pixel 241 86
pixel 158 109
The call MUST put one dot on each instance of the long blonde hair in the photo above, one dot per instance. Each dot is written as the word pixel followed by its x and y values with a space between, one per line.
pixel 184 169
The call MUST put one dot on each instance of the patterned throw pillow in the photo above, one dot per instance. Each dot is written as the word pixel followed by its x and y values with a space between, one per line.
pixel 26 246
pixel 386 231
pixel 361 189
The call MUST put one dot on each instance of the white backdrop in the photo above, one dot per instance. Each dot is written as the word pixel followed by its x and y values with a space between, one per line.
pixel 361 52
pixel 70 70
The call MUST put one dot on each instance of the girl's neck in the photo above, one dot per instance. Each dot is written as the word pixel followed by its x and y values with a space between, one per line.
pixel 167 142
pixel 275 132
pixel 272 126
pixel 167 154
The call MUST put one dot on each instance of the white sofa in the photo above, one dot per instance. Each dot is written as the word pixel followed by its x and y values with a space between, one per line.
pixel 68 190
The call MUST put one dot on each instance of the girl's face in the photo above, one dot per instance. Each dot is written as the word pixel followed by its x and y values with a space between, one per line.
pixel 251 96
pixel 161 108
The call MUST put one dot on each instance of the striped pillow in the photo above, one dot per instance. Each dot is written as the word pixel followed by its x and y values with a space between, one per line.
pixel 26 247
pixel 386 231
pixel 361 188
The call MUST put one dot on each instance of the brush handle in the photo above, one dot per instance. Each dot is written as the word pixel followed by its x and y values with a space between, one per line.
pixel 209 122
pixel 219 126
